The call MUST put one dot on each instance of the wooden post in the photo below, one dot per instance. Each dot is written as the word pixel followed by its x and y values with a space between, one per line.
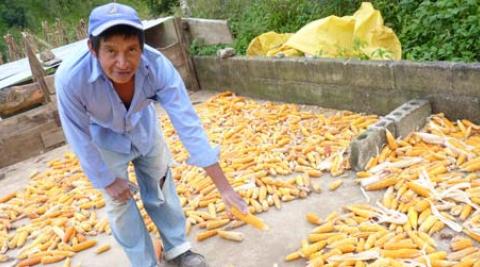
pixel 37 71
pixel 186 11
pixel 32 43
pixel 193 81
pixel 1 58
pixel 81 30
pixel 46 33
pixel 13 53
pixel 60 32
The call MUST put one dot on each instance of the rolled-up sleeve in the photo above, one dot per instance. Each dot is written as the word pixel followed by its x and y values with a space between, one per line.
pixel 75 124
pixel 174 98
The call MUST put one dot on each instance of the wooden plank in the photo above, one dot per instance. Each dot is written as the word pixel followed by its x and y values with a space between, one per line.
pixel 24 145
pixel 174 54
pixel 52 138
pixel 191 78
pixel 29 134
pixel 26 120
pixel 17 99
pixel 209 31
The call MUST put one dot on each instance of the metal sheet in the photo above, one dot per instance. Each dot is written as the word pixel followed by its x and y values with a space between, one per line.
pixel 18 71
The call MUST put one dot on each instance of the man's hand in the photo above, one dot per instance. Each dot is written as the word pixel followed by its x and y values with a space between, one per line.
pixel 229 196
pixel 119 190
pixel 232 199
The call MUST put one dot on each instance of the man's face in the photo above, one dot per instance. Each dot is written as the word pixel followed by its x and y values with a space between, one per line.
pixel 119 57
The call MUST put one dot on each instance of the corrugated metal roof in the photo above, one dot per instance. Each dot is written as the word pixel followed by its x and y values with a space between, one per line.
pixel 19 71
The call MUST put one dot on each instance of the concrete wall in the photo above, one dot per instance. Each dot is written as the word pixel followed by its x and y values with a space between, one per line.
pixel 363 86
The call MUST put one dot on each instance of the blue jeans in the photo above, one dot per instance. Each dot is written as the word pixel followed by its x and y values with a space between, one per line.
pixel 160 202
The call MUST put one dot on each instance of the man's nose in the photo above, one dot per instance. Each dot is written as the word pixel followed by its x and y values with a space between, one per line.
pixel 122 61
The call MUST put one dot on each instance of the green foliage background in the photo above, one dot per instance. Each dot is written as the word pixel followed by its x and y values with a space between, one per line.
pixel 18 15
pixel 428 29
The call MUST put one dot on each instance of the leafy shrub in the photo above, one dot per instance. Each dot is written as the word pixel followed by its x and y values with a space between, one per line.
pixel 199 49
pixel 428 30
pixel 442 30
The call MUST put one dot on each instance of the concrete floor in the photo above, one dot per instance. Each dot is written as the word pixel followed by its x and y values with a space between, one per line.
pixel 259 249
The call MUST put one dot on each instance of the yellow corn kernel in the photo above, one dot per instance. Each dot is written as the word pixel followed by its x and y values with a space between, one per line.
pixel 460 243
pixel 229 235
pixel 206 234
pixel 249 218
pixel 216 223
pixel 392 144
pixel 102 249
pixel 293 256
pixel 400 253
pixel 313 218
pixel 335 184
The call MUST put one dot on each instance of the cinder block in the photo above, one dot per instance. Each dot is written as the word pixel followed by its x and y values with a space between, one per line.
pixel 369 143
pixel 410 116
pixel 384 123
pixel 365 146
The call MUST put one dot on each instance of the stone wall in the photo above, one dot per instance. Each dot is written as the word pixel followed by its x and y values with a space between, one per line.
pixel 362 86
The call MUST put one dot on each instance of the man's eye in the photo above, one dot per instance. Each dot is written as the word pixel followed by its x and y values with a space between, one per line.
pixel 133 50
pixel 110 51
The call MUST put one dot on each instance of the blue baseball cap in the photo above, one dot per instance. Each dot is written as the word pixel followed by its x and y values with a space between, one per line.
pixel 109 15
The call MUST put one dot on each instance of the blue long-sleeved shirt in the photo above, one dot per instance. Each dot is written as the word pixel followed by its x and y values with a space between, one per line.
pixel 93 115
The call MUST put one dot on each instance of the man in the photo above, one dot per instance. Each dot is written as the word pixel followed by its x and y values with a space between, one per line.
pixel 105 100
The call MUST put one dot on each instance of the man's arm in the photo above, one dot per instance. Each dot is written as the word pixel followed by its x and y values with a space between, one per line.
pixel 173 96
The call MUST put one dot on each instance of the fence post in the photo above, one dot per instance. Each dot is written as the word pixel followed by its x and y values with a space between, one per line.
pixel 13 53
pixel 62 36
pixel 37 70
pixel 46 33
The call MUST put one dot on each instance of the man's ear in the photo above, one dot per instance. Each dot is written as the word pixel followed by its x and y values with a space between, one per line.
pixel 90 47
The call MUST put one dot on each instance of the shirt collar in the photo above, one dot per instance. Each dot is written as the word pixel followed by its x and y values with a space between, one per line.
pixel 97 72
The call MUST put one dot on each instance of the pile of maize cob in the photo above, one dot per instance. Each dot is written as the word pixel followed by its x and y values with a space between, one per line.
pixel 55 216
pixel 431 183
pixel 261 145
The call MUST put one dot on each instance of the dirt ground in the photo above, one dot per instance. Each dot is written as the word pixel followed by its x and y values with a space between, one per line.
pixel 259 249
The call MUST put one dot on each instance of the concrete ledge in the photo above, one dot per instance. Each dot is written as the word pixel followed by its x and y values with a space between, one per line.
pixel 432 77
pixel 405 119
pixel 361 86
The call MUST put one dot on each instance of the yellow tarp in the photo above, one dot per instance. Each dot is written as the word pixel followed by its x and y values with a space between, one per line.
pixel 361 35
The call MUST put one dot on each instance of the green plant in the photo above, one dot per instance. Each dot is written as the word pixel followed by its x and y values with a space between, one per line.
pixel 442 30
pixel 161 7
pixel 428 30
pixel 21 15
pixel 200 49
